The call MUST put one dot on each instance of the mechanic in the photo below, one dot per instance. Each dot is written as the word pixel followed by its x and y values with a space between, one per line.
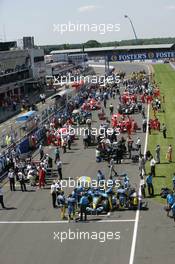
pixel 84 202
pixel 100 176
pixel 71 205
pixel 61 200
pixel 111 170
pixel 170 202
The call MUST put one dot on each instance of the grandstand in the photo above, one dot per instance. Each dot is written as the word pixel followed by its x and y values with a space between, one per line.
pixel 7 45
pixel 124 53
pixel 14 60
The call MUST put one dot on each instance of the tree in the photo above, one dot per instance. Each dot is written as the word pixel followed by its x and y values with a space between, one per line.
pixel 92 44
pixel 66 46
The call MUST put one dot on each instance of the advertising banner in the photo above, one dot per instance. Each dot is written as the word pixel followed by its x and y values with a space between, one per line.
pixel 160 55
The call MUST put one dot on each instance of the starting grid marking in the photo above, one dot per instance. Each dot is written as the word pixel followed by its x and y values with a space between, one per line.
pixel 67 222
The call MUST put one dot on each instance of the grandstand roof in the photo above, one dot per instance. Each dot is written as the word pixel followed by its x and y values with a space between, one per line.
pixel 136 47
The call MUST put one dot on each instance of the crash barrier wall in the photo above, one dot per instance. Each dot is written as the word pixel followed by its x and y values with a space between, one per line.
pixel 25 144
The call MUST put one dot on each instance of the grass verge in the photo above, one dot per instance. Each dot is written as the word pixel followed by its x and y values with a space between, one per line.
pixel 165 77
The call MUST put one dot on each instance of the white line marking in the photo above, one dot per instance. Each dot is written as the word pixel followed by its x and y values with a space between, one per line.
pixel 33 222
pixel 116 221
pixel 66 222
pixel 134 239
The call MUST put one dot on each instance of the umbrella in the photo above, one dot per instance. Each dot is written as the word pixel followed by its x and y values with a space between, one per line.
pixel 84 180
pixel 63 130
pixel 105 140
pixel 116 116
pixel 76 111
pixel 133 195
pixel 121 191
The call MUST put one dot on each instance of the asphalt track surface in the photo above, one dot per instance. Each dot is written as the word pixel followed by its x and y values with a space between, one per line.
pixel 28 228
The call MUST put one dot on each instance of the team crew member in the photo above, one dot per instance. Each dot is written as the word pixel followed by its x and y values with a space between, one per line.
pixel 100 177
pixel 42 175
pixel 53 193
pixel 64 145
pixel 1 198
pixel 69 142
pixel 138 144
pixel 164 130
pixel 170 202
pixel 142 185
pixel 57 154
pixel 71 203
pixel 61 200
pixel 173 180
pixel 149 181
pixel 144 125
pixel 111 169
pixel 153 167
pixel 142 163
pixel 41 151
pixel 173 210
pixel 111 108
pixel 158 154
pixel 83 205
pixel 11 176
pixel 21 178
pixel 59 168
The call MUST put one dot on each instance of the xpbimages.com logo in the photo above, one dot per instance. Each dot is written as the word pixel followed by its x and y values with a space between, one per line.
pixel 102 236
pixel 102 185
pixel 102 80
pixel 83 131
pixel 77 27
